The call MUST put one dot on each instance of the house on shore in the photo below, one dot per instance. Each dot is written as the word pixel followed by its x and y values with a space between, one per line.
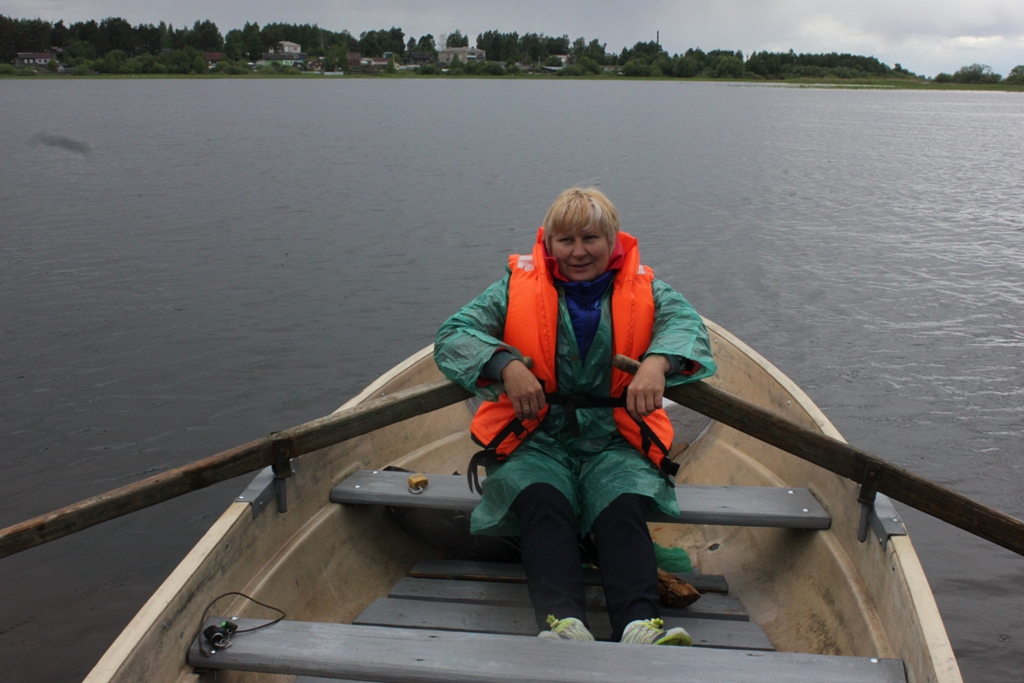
pixel 419 58
pixel 465 54
pixel 285 53
pixel 34 58
pixel 374 63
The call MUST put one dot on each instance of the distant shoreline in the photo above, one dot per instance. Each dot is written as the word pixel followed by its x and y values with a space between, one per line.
pixel 831 83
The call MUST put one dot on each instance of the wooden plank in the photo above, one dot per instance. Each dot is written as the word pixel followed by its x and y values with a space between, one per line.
pixel 514 573
pixel 793 508
pixel 709 606
pixel 520 621
pixel 367 653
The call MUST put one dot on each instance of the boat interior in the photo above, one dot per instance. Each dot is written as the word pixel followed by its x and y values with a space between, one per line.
pixel 380 580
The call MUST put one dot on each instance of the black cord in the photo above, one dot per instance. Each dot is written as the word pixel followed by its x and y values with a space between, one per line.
pixel 202 620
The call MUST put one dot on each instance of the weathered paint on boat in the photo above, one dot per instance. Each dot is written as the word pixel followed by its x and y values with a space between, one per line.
pixel 817 592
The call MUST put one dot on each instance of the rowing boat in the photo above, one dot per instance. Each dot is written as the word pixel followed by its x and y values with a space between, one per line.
pixel 367 598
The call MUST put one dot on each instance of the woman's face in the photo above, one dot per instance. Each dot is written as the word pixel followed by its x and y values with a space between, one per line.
pixel 581 255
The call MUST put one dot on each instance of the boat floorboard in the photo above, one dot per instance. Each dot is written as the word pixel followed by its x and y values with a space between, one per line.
pixel 521 621
pixel 514 573
pixel 710 606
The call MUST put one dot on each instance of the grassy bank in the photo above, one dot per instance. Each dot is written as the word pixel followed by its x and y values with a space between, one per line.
pixel 853 83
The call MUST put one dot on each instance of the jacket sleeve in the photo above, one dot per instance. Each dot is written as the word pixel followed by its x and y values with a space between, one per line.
pixel 679 331
pixel 468 339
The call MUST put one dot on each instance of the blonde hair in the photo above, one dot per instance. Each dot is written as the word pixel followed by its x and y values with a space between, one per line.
pixel 578 208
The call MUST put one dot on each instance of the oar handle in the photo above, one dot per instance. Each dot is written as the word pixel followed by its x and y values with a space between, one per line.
pixel 845 460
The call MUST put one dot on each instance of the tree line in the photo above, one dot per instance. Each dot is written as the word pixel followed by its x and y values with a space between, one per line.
pixel 113 45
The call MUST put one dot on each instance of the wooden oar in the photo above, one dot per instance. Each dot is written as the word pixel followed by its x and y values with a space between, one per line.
pixel 845 460
pixel 275 450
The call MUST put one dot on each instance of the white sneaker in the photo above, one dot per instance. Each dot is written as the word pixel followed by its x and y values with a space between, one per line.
pixel 569 628
pixel 649 632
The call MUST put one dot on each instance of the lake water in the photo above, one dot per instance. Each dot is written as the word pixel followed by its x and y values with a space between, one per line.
pixel 228 258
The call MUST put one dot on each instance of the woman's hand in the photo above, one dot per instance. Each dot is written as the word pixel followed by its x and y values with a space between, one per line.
pixel 524 390
pixel 644 393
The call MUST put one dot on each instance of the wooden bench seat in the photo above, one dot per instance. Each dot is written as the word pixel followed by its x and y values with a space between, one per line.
pixel 766 506
pixel 368 653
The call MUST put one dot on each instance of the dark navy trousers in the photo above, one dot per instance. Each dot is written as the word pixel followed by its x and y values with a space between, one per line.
pixel 554 570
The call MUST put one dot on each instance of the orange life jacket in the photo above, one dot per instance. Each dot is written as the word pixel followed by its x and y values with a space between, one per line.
pixel 531 325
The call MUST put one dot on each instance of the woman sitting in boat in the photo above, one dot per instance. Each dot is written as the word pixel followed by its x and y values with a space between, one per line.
pixel 572 445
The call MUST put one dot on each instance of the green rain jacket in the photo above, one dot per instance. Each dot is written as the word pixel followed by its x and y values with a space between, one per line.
pixel 599 465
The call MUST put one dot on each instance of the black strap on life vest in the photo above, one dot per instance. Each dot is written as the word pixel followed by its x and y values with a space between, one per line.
pixel 489 456
pixel 570 403
pixel 648 437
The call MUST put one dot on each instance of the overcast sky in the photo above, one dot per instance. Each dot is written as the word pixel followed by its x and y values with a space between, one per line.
pixel 925 36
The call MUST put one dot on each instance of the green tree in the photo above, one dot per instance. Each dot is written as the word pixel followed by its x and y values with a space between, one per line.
pixel 687 66
pixel 588 65
pixel 184 61
pixel 661 65
pixel 556 46
pixel 976 73
pixel 165 36
pixel 78 50
pixel 530 47
pixel 85 31
pixel 426 44
pixel 728 66
pixel 648 51
pixel 499 46
pixel 1016 76
pixel 390 68
pixel 376 43
pixel 636 68
pixel 596 51
pixel 554 61
pixel 252 41
pixel 60 35
pixel 148 38
pixel 456 39
pixel 114 62
pixel 205 37
pixel 143 64
pixel 115 33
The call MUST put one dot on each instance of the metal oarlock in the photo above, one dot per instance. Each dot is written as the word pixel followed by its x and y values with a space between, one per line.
pixel 866 497
pixel 282 470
